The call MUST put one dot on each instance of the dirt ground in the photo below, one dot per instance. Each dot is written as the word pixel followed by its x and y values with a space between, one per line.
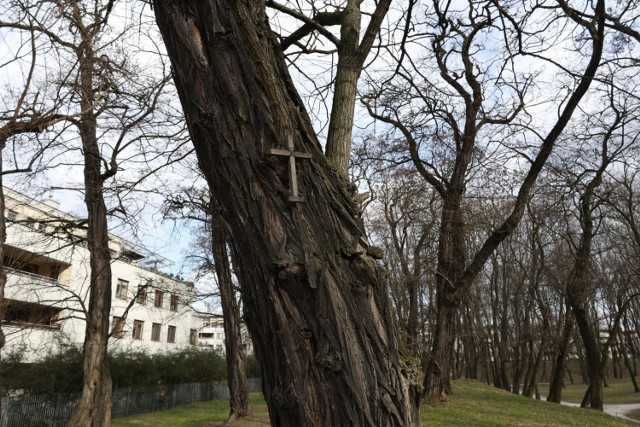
pixel 245 422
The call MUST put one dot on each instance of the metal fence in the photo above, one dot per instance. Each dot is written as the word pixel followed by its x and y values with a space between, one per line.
pixel 48 411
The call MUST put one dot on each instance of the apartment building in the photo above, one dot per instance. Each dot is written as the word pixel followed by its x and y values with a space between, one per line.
pixel 47 291
pixel 208 330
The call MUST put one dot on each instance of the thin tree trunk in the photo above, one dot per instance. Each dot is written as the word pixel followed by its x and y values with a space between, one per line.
pixel 559 368
pixel 3 275
pixel 451 263
pixel 594 369
pixel 352 53
pixel 94 408
pixel 316 304
pixel 236 372
pixel 437 379
pixel 628 362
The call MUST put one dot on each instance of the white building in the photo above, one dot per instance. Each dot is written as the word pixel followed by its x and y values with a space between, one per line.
pixel 210 333
pixel 47 289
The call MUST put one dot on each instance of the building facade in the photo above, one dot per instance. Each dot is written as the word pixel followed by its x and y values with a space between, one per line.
pixel 47 289
pixel 209 333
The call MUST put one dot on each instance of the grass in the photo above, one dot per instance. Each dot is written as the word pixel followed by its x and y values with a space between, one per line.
pixel 473 404
pixel 195 415
pixel 476 404
pixel 618 391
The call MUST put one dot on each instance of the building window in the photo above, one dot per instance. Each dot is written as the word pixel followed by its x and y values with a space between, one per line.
pixel 158 299
pixel 138 326
pixel 42 227
pixel 11 215
pixel 155 331
pixel 174 303
pixel 117 327
pixel 22 313
pixel 220 336
pixel 193 336
pixel 206 335
pixel 219 347
pixel 171 334
pixel 31 223
pixel 54 273
pixel 142 294
pixel 121 289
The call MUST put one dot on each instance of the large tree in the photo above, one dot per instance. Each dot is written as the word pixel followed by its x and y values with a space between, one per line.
pixel 315 302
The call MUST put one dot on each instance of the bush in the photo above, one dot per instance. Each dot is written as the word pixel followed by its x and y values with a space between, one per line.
pixel 62 372
pixel 190 365
pixel 252 367
pixel 56 373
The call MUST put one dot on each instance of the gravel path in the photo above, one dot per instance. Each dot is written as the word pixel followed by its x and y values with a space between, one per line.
pixel 620 410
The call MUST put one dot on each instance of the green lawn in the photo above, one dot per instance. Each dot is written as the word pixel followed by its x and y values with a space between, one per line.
pixel 195 415
pixel 476 404
pixel 473 404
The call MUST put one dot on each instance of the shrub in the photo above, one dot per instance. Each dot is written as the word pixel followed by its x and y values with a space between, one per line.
pixel 62 372
pixel 252 367
pixel 57 373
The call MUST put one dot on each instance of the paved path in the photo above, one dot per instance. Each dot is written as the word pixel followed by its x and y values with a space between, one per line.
pixel 617 410
pixel 620 410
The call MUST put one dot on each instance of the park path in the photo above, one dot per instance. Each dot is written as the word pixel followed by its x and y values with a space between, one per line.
pixel 619 410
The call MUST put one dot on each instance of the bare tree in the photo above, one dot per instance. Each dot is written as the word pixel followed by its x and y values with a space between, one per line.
pixel 196 204
pixel 112 101
pixel 316 304
pixel 447 141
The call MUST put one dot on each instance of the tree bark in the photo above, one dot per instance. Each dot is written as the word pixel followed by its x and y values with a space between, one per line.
pixel 316 304
pixel 236 372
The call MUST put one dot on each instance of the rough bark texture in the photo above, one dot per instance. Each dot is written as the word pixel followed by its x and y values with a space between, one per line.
pixel 315 303
pixel 94 408
pixel 236 372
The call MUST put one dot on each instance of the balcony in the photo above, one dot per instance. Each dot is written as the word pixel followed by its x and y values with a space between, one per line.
pixel 32 276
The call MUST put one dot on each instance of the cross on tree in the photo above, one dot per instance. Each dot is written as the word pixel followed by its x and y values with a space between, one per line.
pixel 292 154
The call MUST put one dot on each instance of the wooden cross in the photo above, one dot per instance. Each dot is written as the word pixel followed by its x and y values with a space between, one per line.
pixel 292 154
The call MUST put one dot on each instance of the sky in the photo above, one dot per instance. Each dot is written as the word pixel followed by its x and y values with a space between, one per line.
pixel 167 238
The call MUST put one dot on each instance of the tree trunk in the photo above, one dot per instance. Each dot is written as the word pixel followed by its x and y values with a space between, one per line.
pixel 3 274
pixel 594 368
pixel 94 408
pixel 451 264
pixel 344 96
pixel 316 304
pixel 236 373
pixel 437 379
pixel 627 362
pixel 557 376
